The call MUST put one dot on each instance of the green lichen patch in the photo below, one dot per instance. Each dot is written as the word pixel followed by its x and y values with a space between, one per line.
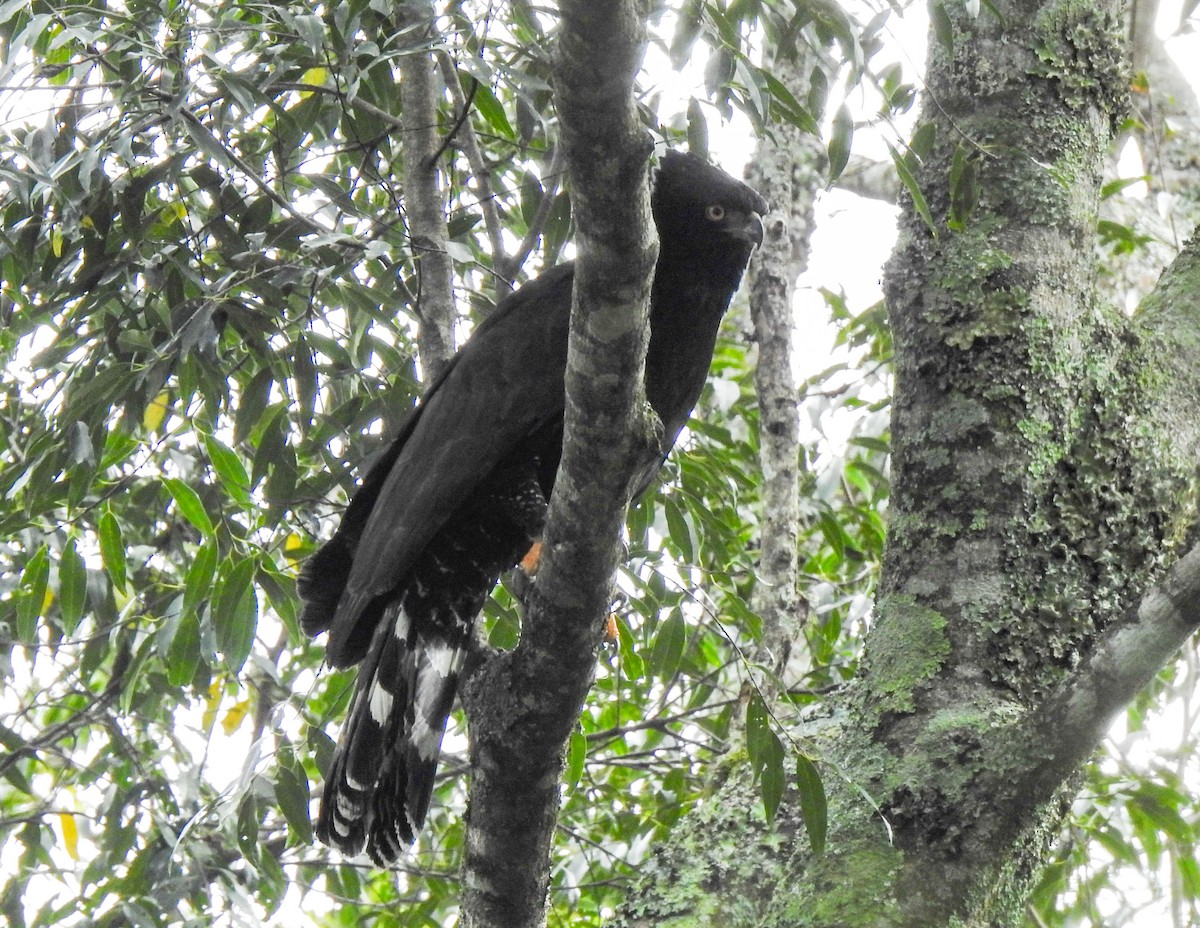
pixel 1080 47
pixel 1097 519
pixel 907 646
pixel 839 885
pixel 726 864
pixel 975 300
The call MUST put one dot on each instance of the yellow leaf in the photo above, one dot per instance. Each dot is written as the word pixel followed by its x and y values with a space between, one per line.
pixel 211 705
pixel 156 411
pixel 70 834
pixel 47 601
pixel 315 76
pixel 179 210
pixel 235 716
pixel 56 243
pixel 292 544
pixel 87 223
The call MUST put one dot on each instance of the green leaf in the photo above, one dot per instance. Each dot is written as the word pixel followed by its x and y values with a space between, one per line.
pixel 190 506
pixel 248 825
pixel 251 403
pixel 304 371
pixel 197 584
pixel 914 189
pixel 668 646
pixel 492 110
pixel 991 7
pixel 818 91
pixel 230 470
pixel 112 548
pixel 942 28
pixel 1113 187
pixel 311 30
pixel 1161 806
pixel 871 443
pixel 1123 239
pixel 814 807
pixel 271 443
pixel 292 794
pixel 34 579
pixel 576 756
pixel 1189 872
pixel 766 754
pixel 921 144
pixel 840 141
pixel 832 21
pixel 964 186
pixel 678 528
pixel 632 666
pixel 771 781
pixel 322 748
pixel 72 586
pixel 257 216
pixel 206 142
pixel 183 656
pixel 235 612
pixel 793 109
pixel 281 592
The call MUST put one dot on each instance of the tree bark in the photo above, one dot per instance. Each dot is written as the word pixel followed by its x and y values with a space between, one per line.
pixel 1043 478
pixel 722 866
pixel 523 705
pixel 787 171
pixel 425 201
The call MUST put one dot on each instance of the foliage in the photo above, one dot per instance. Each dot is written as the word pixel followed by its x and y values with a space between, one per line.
pixel 209 309
pixel 208 313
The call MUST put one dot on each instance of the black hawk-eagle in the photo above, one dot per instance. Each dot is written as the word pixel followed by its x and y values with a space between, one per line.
pixel 460 494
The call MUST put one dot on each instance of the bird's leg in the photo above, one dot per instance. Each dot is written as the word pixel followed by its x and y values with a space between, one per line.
pixel 529 563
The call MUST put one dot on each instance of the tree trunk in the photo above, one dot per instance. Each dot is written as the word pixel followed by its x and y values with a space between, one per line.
pixel 1042 459
pixel 523 705
pixel 787 170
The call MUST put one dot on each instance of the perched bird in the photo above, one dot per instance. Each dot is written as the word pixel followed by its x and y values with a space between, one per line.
pixel 460 495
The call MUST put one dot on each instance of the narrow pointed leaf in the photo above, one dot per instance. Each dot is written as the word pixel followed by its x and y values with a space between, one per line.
pixel 112 549
pixel 189 504
pixel 813 805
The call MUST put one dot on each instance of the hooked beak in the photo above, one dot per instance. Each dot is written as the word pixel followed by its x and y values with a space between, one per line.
pixel 749 230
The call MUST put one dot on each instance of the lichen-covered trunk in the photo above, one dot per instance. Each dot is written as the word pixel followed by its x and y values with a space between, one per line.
pixel 1040 481
pixel 1025 517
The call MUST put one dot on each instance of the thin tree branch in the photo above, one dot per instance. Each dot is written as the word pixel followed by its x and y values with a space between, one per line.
pixel 463 105
pixel 357 102
pixel 788 172
pixel 425 202
pixel 1172 317
pixel 481 173
pixel 870 179
pixel 553 178
pixel 1125 659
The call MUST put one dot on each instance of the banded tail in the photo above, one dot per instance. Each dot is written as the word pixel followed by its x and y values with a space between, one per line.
pixel 382 777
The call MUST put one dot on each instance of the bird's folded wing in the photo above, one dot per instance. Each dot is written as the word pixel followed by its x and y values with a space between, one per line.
pixel 503 387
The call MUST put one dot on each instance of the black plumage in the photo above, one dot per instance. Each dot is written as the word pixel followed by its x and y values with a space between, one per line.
pixel 459 495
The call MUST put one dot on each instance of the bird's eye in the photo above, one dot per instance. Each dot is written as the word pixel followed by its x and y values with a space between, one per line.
pixel 715 212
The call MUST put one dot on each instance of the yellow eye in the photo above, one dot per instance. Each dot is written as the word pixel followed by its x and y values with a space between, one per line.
pixel 716 212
